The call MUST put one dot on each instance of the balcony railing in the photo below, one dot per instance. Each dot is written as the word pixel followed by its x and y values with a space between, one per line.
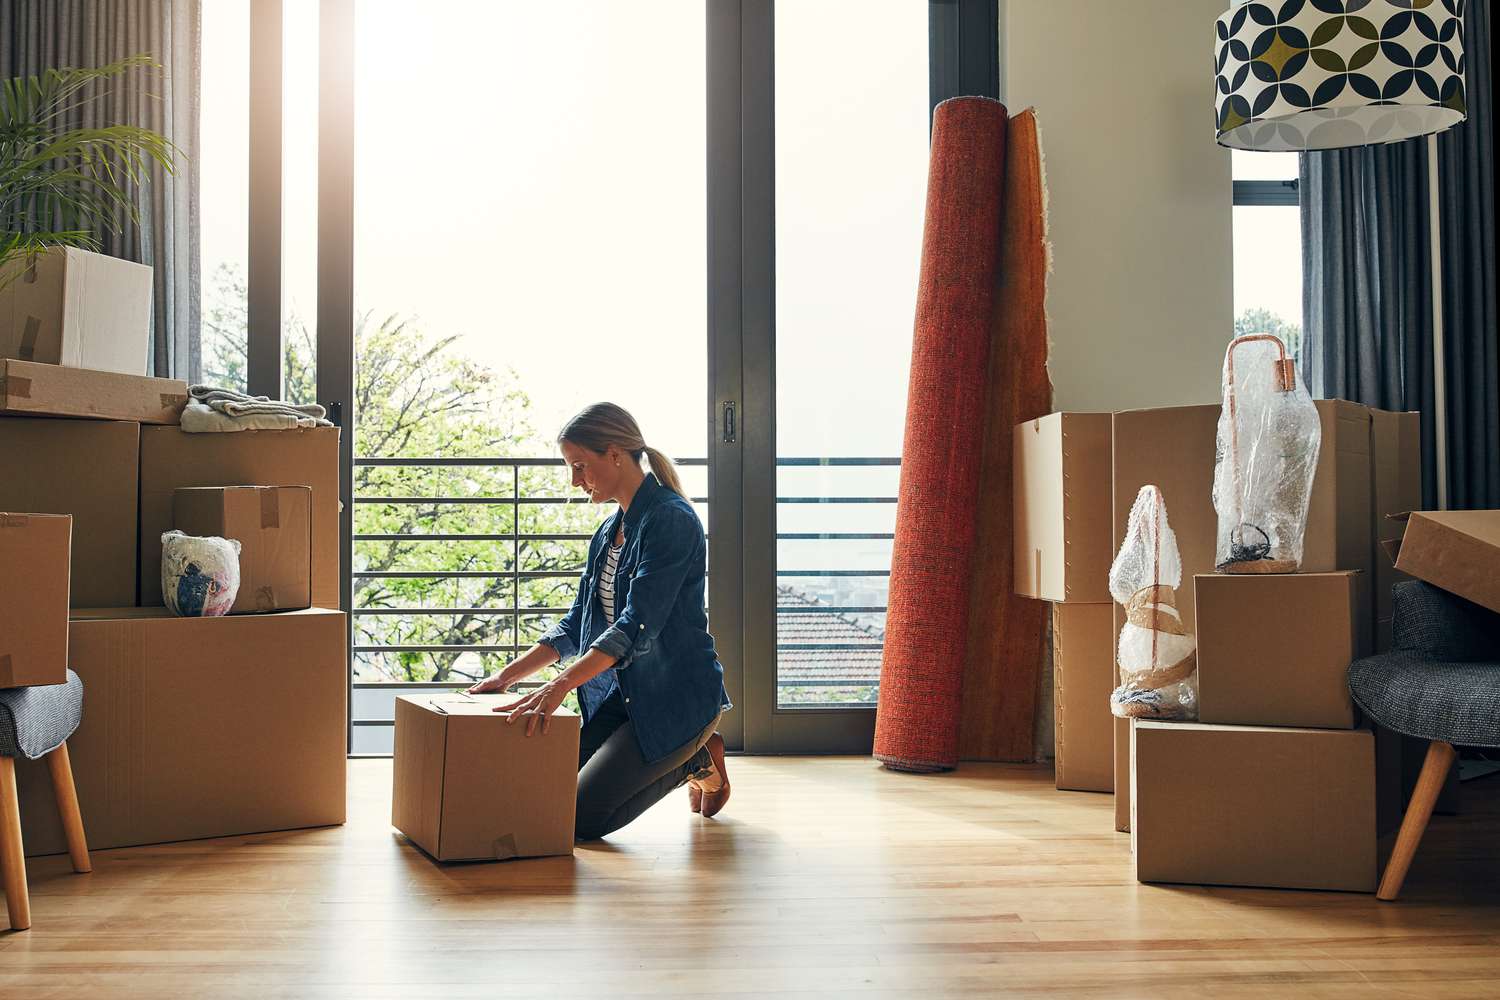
pixel 517 540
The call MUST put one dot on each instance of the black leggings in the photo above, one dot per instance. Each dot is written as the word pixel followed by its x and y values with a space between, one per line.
pixel 615 784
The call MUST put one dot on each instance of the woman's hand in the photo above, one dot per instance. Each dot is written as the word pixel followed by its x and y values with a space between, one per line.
pixel 494 683
pixel 536 706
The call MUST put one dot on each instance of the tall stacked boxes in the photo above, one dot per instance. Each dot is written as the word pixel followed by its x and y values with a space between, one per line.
pixel 1062 554
pixel 1277 783
pixel 192 727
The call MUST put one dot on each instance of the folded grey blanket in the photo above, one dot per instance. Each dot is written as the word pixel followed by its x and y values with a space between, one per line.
pixel 241 405
pixel 199 419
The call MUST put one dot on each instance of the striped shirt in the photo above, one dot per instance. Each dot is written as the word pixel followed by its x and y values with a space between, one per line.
pixel 607 582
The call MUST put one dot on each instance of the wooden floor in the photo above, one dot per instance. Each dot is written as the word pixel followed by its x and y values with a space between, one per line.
pixel 824 877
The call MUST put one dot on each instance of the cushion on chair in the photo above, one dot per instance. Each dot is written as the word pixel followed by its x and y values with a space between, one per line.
pixel 34 721
pixel 1442 626
pixel 1436 700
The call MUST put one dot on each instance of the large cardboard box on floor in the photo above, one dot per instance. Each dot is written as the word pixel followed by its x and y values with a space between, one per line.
pixel 86 468
pixel 1395 488
pixel 273 525
pixel 33 389
pixel 34 556
pixel 199 727
pixel 172 459
pixel 77 308
pixel 1083 675
pixel 1061 507
pixel 468 785
pixel 1274 650
pixel 1457 550
pixel 1254 806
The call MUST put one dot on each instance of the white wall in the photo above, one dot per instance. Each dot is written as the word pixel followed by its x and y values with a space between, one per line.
pixel 1140 299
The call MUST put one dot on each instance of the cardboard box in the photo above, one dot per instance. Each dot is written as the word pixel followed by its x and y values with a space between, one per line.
pixel 1254 806
pixel 1275 650
pixel 1174 448
pixel 32 389
pixel 1062 508
pixel 1395 487
pixel 76 308
pixel 1083 675
pixel 199 727
pixel 35 550
pixel 1457 550
pixel 469 786
pixel 273 525
pixel 172 459
pixel 86 468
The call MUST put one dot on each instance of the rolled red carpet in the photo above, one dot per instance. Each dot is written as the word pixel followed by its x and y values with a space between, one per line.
pixel 921 675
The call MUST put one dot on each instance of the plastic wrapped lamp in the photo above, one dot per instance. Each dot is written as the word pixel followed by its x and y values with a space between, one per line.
pixel 1267 453
pixel 1325 74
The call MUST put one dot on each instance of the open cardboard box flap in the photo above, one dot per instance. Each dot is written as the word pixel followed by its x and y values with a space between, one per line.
pixel 1457 550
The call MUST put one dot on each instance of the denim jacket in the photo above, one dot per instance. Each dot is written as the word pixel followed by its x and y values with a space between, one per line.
pixel 668 673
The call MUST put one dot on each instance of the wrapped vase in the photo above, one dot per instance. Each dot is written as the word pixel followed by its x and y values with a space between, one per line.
pixel 1266 455
pixel 200 575
pixel 1156 655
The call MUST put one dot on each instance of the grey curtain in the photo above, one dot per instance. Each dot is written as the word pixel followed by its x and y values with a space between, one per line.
pixel 1367 282
pixel 36 35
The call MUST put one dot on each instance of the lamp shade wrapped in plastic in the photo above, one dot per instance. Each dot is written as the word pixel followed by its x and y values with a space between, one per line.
pixel 1325 74
pixel 1267 454
pixel 1157 656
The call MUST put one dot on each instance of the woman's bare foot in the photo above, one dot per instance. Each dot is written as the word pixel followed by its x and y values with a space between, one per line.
pixel 716 787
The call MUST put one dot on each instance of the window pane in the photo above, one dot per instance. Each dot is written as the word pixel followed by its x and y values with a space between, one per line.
pixel 1247 165
pixel 224 178
pixel 1268 272
pixel 851 171
pixel 530 230
pixel 299 208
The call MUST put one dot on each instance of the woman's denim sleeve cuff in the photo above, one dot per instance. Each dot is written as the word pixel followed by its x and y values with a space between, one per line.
pixel 616 643
pixel 558 638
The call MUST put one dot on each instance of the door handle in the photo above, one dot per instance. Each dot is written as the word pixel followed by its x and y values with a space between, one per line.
pixel 729 427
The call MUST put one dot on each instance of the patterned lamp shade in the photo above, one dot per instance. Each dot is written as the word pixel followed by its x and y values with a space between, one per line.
pixel 1321 74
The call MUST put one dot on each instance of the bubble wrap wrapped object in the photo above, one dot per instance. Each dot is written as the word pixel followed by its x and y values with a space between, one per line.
pixel 1156 655
pixel 200 576
pixel 1267 453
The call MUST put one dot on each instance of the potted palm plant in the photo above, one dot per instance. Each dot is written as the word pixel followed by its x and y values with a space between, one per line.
pixel 61 186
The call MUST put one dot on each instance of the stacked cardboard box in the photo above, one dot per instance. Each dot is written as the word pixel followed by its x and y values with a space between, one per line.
pixel 192 727
pixel 1062 554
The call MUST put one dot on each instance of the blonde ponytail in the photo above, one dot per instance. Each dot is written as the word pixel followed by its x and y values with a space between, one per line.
pixel 598 426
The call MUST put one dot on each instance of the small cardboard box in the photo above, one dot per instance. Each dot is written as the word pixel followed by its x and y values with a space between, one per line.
pixel 1083 675
pixel 469 786
pixel 32 389
pixel 273 525
pixel 1254 806
pixel 76 308
pixel 1339 532
pixel 1062 508
pixel 1457 550
pixel 199 727
pixel 1396 487
pixel 1275 650
pixel 172 459
pixel 86 468
pixel 34 557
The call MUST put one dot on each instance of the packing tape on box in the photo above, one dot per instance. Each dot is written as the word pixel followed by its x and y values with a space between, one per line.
pixel 14 520
pixel 29 336
pixel 265 598
pixel 173 400
pixel 505 847
pixel 270 507
pixel 14 385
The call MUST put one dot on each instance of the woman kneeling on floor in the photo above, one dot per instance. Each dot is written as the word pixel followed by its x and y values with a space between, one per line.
pixel 650 686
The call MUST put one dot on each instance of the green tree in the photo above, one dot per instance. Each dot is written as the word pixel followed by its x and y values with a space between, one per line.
pixel 1262 320
pixel 418 397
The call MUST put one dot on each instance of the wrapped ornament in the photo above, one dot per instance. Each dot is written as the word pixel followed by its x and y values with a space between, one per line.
pixel 199 575
pixel 1157 656
pixel 1267 453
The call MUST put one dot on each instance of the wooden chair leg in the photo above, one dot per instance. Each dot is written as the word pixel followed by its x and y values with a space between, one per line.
pixel 61 767
pixel 1434 771
pixel 12 855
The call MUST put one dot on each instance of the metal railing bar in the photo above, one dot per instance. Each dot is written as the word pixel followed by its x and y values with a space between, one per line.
pixel 441 649
pixel 834 536
pixel 842 609
pixel 828 646
pixel 555 501
pixel 473 537
pixel 467 574
pixel 833 572
pixel 459 611
pixel 835 499
pixel 498 462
